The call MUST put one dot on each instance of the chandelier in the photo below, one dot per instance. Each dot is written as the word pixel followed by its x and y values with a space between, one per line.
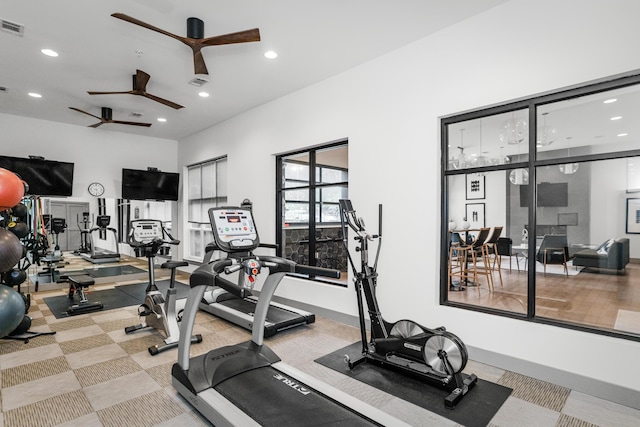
pixel 513 131
pixel 546 134
pixel 569 168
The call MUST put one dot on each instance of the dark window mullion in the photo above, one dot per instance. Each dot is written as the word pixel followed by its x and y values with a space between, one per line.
pixel 312 208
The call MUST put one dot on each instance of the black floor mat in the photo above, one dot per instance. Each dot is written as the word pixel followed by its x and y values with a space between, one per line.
pixel 118 270
pixel 477 408
pixel 120 296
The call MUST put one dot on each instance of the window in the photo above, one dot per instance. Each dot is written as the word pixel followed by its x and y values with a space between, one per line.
pixel 309 186
pixel 207 188
pixel 553 174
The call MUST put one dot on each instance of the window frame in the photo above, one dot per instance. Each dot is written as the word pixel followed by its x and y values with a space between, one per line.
pixel 312 186
pixel 531 104
pixel 202 226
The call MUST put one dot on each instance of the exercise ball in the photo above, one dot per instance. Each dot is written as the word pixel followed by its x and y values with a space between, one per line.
pixel 20 229
pixel 10 250
pixel 19 211
pixel 15 277
pixel 11 310
pixel 23 326
pixel 11 189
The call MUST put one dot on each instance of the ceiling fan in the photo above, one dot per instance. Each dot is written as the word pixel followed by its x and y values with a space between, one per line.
pixel 195 38
pixel 140 80
pixel 107 117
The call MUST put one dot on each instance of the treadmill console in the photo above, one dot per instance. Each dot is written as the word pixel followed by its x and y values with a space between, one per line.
pixel 233 229
pixel 146 230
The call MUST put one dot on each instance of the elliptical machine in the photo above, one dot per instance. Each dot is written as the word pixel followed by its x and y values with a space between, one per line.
pixel 148 235
pixel 433 355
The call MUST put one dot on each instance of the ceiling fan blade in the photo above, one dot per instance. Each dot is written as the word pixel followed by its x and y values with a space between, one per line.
pixel 84 112
pixel 96 125
pixel 142 79
pixel 252 35
pixel 163 101
pixel 120 122
pixel 147 26
pixel 199 66
pixel 109 93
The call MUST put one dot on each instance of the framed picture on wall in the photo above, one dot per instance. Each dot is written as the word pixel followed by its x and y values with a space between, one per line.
pixel 633 216
pixel 475 187
pixel 475 214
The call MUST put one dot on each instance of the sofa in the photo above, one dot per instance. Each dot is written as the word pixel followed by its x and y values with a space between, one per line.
pixel 612 254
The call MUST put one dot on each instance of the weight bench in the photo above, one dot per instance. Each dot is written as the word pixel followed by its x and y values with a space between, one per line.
pixel 78 285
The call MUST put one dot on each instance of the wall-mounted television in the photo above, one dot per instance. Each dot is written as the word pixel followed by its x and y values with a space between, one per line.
pixel 549 194
pixel 44 177
pixel 149 185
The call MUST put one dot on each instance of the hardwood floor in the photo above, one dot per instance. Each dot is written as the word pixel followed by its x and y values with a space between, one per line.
pixel 597 299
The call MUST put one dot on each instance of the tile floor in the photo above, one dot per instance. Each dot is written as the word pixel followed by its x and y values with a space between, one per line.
pixel 90 373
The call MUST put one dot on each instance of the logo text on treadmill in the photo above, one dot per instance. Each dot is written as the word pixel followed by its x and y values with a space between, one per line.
pixel 292 384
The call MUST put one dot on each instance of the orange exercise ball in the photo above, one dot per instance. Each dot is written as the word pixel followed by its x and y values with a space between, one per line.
pixel 11 189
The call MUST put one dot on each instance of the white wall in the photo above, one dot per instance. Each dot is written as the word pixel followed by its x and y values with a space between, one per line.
pixel 389 110
pixel 97 154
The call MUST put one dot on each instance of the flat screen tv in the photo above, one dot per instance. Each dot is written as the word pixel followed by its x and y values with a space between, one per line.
pixel 149 185
pixel 549 194
pixel 44 177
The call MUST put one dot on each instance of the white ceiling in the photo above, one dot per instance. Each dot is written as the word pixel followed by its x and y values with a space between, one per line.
pixel 315 39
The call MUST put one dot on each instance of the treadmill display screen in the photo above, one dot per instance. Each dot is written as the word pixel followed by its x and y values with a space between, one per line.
pixel 233 228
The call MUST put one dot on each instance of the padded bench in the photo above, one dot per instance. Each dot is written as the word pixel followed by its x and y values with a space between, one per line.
pixel 77 283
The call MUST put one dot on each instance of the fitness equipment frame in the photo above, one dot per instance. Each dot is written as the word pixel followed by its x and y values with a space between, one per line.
pixel 148 235
pixel 85 231
pixel 433 355
pixel 236 303
pixel 247 384
pixel 102 256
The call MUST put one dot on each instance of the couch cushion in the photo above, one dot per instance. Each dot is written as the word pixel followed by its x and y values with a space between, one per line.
pixel 603 249
pixel 591 254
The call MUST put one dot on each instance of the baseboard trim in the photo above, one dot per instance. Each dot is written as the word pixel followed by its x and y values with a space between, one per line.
pixel 592 387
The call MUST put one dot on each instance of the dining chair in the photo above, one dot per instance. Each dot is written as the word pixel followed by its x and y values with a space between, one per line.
pixel 492 249
pixel 554 250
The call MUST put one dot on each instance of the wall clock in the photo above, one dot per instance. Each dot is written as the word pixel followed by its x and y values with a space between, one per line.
pixel 96 189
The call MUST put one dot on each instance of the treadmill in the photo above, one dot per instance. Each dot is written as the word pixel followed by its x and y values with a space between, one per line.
pixel 247 384
pixel 102 256
pixel 236 303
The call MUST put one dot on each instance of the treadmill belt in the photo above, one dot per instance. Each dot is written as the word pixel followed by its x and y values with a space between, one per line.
pixel 274 315
pixel 274 399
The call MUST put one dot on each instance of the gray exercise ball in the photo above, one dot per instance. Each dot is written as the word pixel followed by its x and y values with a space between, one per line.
pixel 11 310
pixel 10 250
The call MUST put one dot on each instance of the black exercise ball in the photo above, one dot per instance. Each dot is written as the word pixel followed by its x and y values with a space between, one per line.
pixel 11 310
pixel 23 327
pixel 20 229
pixel 15 277
pixel 10 250
pixel 19 211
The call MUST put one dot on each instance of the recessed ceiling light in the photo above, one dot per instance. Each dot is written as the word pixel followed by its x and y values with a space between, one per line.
pixel 35 95
pixel 270 54
pixel 162 119
pixel 49 52
pixel 616 118
pixel 204 94
pixel 623 134
pixel 610 101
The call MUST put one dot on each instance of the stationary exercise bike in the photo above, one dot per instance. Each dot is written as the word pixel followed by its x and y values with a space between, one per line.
pixel 433 355
pixel 148 235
